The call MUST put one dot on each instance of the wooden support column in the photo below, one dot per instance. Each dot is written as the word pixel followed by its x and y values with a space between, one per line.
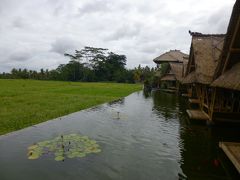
pixel 211 110
pixel 202 96
pixel 238 109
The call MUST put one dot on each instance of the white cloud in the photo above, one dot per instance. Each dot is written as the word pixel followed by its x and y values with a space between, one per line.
pixel 36 34
pixel 64 45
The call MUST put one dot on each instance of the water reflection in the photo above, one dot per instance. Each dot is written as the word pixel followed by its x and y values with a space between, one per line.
pixel 146 93
pixel 165 104
pixel 201 156
pixel 198 144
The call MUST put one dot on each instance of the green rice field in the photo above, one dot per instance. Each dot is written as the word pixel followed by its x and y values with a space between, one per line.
pixel 27 102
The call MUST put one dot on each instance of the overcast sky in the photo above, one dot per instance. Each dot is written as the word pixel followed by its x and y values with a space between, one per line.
pixel 35 34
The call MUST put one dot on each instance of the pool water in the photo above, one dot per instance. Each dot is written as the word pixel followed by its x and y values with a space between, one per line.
pixel 142 136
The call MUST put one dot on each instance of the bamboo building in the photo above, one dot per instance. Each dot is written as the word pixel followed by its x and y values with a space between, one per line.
pixel 210 74
pixel 204 56
pixel 227 83
pixel 226 86
pixel 212 78
pixel 174 61
pixel 213 73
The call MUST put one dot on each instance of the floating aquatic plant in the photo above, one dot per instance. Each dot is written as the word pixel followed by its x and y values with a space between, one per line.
pixel 70 146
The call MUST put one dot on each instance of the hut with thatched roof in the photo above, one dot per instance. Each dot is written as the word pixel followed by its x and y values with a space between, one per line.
pixel 173 56
pixel 226 98
pixel 204 56
pixel 171 65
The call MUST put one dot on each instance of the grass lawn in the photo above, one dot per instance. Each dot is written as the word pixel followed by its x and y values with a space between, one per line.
pixel 27 102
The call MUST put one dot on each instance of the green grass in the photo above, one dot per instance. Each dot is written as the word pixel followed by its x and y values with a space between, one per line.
pixel 27 102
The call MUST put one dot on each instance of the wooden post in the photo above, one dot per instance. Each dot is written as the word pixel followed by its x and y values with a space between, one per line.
pixel 211 110
pixel 202 97
pixel 231 44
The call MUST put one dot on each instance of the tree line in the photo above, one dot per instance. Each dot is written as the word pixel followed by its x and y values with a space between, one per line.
pixel 88 65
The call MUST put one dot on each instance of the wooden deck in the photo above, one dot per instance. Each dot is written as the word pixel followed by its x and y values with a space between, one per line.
pixel 186 95
pixel 197 115
pixel 168 90
pixel 232 150
pixel 172 88
pixel 194 101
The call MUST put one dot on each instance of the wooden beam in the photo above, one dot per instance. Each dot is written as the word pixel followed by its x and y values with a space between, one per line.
pixel 186 95
pixel 232 150
pixel 190 61
pixel 197 115
pixel 194 101
pixel 202 97
pixel 205 105
pixel 206 95
pixel 235 50
pixel 213 97
pixel 218 49
pixel 231 44
pixel 238 110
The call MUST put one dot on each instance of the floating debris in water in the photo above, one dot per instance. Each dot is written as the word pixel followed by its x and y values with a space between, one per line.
pixel 119 116
pixel 64 146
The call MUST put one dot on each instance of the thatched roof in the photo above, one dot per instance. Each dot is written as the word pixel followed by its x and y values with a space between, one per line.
pixel 230 79
pixel 232 40
pixel 168 77
pixel 190 78
pixel 176 69
pixel 174 72
pixel 184 68
pixel 170 56
pixel 227 73
pixel 204 56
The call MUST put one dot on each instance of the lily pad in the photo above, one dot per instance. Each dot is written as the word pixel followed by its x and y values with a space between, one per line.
pixel 81 155
pixel 70 156
pixel 33 155
pixel 44 143
pixel 58 153
pixel 32 147
pixel 59 158
pixel 70 146
pixel 96 150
